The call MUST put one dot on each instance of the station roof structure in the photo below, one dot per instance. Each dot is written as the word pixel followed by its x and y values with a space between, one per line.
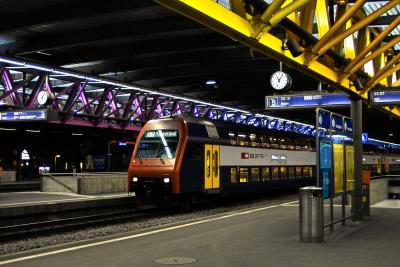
pixel 150 45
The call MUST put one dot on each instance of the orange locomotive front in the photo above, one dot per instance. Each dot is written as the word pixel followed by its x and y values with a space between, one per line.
pixel 154 169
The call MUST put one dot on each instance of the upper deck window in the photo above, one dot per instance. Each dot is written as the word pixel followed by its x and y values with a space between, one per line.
pixel 158 144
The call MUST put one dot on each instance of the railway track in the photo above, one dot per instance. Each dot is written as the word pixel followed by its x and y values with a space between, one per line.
pixel 41 227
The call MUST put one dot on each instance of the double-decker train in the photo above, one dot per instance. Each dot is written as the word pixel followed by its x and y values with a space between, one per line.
pixel 189 158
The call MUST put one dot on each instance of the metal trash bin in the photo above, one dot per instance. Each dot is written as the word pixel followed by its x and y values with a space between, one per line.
pixel 311 214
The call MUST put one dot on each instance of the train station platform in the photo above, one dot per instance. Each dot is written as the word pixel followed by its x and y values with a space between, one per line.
pixel 262 236
pixel 36 202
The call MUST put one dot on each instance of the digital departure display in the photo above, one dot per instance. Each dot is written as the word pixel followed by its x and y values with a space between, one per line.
pixel 385 97
pixel 306 101
pixel 28 115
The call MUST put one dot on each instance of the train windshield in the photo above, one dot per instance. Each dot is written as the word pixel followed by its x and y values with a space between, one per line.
pixel 158 144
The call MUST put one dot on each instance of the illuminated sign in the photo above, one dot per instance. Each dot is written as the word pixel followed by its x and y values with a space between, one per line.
pixel 306 101
pixel 165 133
pixel 29 115
pixel 385 97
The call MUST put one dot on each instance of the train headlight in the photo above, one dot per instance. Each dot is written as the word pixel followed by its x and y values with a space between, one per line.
pixel 166 180
pixel 135 179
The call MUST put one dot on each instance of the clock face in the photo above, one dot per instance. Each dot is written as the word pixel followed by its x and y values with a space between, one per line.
pixel 280 80
pixel 42 97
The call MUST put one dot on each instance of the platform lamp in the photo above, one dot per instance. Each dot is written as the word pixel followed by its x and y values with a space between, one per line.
pixel 293 47
pixel 55 161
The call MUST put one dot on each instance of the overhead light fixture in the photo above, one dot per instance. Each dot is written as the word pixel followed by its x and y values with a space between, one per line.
pixel 391 134
pixel 33 131
pixel 7 129
pixel 77 134
pixel 294 47
pixel 211 82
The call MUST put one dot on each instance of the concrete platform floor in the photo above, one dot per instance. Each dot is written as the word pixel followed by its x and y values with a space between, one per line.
pixel 266 236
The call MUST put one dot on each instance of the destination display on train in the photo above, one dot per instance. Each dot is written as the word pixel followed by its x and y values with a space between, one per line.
pixel 385 97
pixel 28 115
pixel 306 101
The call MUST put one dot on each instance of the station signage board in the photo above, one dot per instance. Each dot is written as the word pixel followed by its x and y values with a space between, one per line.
pixel 335 122
pixel 28 115
pixel 306 101
pixel 390 96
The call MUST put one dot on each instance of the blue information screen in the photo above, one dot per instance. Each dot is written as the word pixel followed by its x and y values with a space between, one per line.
pixel 305 101
pixel 26 115
pixel 385 97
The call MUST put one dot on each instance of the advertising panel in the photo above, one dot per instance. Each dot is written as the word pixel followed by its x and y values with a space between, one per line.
pixel 325 159
pixel 338 167
pixel 349 168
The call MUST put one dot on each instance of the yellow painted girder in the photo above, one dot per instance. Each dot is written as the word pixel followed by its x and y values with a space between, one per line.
pixel 215 16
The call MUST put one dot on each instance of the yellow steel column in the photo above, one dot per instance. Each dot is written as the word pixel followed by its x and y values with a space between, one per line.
pixel 321 14
pixel 307 16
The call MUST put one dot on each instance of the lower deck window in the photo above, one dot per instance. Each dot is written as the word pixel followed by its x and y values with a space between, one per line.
pixel 291 172
pixel 265 173
pixel 244 175
pixel 275 173
pixel 298 172
pixel 233 175
pixel 255 174
pixel 283 174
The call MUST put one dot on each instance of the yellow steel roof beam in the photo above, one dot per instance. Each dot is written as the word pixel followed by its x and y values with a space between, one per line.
pixel 397 83
pixel 315 51
pixel 378 39
pixel 321 14
pixel 272 16
pixel 357 26
pixel 261 22
pixel 380 76
pixel 225 21
pixel 378 52
pixel 376 78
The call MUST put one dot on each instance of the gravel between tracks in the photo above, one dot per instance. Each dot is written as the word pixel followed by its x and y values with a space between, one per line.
pixel 117 228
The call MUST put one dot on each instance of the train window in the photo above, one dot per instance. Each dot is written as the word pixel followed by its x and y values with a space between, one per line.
pixel 158 144
pixel 282 173
pixel 255 174
pixel 216 167
pixel 291 172
pixel 307 172
pixel 233 175
pixel 264 141
pixel 275 173
pixel 208 163
pixel 232 138
pixel 290 144
pixel 244 175
pixel 193 151
pixel 282 143
pixel 298 172
pixel 254 141
pixel 242 138
pixel 274 142
pixel 265 173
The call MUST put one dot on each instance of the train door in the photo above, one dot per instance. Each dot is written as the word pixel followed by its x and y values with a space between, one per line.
pixel 211 167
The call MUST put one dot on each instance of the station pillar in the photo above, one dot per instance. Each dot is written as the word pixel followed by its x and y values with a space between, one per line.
pixel 356 114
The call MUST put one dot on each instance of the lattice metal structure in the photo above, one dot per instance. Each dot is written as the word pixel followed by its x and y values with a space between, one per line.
pixel 95 99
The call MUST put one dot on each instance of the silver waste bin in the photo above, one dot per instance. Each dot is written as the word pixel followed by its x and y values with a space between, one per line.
pixel 311 214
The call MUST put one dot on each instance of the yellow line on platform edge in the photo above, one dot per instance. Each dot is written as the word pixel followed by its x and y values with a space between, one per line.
pixel 142 234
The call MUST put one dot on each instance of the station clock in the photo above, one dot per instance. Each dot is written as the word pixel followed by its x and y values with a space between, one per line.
pixel 280 81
